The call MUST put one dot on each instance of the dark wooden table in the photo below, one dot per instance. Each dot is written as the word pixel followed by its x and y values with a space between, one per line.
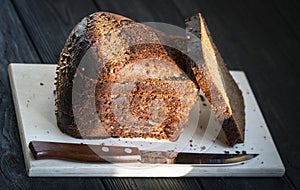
pixel 259 37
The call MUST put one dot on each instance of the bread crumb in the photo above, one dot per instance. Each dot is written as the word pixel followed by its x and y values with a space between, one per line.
pixel 202 98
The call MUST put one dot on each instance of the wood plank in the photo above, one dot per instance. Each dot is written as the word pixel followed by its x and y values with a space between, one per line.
pixel 15 46
pixel 245 183
pixel 289 11
pixel 49 23
pixel 152 183
pixel 142 11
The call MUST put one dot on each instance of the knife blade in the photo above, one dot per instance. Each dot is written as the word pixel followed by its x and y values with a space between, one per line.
pixel 120 154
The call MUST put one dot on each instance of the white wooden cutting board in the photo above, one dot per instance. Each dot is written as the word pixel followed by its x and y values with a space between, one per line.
pixel 33 85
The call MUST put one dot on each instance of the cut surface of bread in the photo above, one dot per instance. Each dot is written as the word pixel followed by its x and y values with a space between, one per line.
pixel 111 84
pixel 216 82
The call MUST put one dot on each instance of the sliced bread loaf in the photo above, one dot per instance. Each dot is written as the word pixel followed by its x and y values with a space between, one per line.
pixel 138 89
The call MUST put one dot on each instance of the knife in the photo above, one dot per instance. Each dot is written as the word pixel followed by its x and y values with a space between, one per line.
pixel 121 154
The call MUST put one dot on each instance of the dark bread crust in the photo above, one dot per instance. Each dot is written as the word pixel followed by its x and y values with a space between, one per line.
pixel 227 102
pixel 79 41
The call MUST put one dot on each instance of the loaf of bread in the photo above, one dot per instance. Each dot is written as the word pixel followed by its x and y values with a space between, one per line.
pixel 216 82
pixel 115 78
pixel 138 88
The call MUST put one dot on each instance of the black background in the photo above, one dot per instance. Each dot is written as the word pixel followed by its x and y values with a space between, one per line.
pixel 259 37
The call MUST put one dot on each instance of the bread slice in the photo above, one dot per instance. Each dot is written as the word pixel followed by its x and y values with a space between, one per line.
pixel 126 89
pixel 215 81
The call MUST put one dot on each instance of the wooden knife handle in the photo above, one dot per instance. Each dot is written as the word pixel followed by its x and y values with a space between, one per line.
pixel 82 152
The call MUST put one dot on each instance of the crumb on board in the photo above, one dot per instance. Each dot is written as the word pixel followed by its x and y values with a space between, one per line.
pixel 27 103
pixel 202 98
